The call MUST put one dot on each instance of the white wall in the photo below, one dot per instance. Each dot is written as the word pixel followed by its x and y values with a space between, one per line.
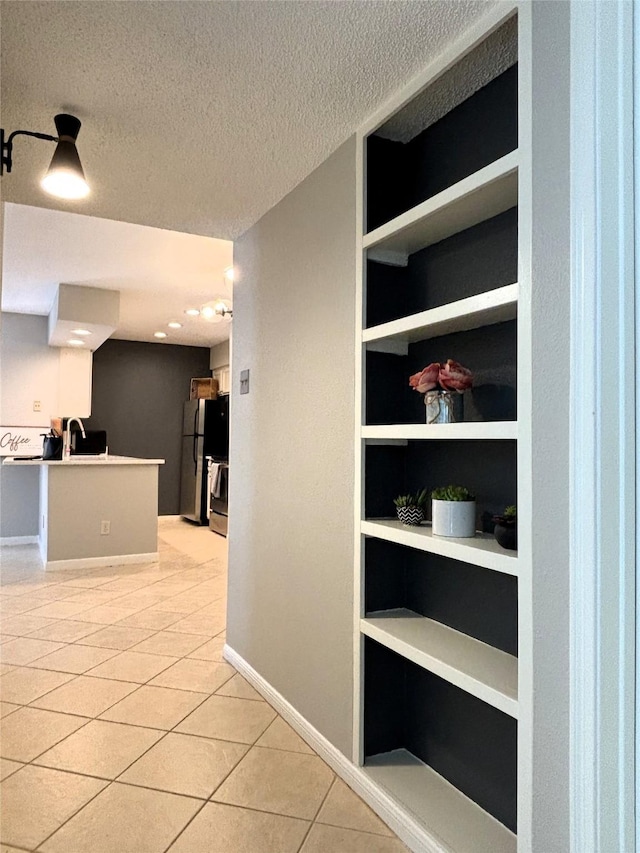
pixel 219 355
pixel 31 370
pixel 292 456
pixel 550 423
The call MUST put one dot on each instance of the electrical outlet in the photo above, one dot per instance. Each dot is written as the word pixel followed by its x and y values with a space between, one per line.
pixel 105 528
pixel 244 381
pixel 37 406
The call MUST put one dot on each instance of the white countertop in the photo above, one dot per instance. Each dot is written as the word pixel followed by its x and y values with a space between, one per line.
pixel 75 461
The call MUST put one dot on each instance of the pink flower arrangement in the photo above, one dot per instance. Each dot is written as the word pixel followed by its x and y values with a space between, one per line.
pixel 449 376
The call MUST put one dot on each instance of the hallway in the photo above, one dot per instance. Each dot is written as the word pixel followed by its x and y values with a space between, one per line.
pixel 124 731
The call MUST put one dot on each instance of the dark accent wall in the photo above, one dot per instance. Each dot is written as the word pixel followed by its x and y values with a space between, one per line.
pixel 487 468
pixel 138 392
pixel 467 741
pixel 470 599
pixel 477 132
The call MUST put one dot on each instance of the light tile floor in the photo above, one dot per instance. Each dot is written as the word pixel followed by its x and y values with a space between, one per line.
pixel 124 730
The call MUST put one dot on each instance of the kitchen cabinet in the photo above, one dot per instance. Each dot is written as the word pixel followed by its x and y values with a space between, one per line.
pixel 96 511
pixel 223 375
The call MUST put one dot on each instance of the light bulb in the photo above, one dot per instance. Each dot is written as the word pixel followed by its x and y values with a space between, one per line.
pixel 229 274
pixel 65 184
pixel 208 312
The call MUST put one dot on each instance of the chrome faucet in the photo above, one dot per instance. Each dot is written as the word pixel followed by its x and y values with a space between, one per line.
pixel 66 446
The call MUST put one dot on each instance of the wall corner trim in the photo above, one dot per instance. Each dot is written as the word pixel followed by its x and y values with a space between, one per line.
pixel 407 828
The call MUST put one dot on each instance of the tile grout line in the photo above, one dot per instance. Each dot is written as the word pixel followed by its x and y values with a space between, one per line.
pixel 164 733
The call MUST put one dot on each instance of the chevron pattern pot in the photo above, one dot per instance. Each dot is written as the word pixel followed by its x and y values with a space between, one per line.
pixel 412 515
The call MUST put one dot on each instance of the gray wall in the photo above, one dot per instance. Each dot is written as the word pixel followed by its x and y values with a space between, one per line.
pixel 138 392
pixel 292 448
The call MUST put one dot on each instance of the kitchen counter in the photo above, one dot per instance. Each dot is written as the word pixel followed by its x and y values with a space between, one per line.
pixel 85 460
pixel 96 510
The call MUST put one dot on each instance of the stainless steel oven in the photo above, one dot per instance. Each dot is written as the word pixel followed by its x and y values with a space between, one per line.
pixel 218 496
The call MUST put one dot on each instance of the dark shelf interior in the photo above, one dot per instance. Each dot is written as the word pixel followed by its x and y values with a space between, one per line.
pixel 472 135
pixel 472 600
pixel 487 468
pixel 471 744
pixel 470 262
pixel 489 352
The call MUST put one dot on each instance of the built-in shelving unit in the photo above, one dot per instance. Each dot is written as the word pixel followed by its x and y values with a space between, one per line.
pixel 485 309
pixel 476 667
pixel 475 199
pixel 455 822
pixel 482 550
pixel 495 430
pixel 437 704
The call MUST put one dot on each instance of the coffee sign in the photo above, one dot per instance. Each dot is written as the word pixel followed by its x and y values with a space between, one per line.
pixel 21 441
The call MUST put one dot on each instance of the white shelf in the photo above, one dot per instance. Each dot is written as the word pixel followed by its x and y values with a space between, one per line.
pixel 485 309
pixel 482 550
pixel 486 430
pixel 456 823
pixel 479 197
pixel 475 667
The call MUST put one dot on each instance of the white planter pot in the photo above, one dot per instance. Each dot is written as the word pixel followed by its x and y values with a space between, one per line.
pixel 453 518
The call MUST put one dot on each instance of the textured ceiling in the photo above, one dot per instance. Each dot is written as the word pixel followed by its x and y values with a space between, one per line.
pixel 200 116
pixel 489 59
pixel 159 273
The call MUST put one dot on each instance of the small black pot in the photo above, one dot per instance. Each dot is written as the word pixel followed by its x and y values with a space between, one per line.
pixel 410 515
pixel 506 536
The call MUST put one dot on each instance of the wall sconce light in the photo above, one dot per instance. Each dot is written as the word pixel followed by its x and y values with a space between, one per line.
pixel 65 176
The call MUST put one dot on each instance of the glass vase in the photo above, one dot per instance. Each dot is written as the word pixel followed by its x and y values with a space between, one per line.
pixel 443 407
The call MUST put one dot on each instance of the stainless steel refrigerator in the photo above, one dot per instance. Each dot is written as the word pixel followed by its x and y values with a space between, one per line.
pixel 205 433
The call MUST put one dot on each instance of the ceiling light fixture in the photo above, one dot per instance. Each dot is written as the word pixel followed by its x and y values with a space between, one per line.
pixel 65 176
pixel 229 274
pixel 221 308
pixel 75 342
pixel 174 325
pixel 192 312
pixel 159 334
pixel 216 311
pixel 82 332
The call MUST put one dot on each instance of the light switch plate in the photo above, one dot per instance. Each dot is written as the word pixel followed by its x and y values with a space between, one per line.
pixel 244 381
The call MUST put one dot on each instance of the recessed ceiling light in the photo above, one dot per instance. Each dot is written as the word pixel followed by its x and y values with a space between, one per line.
pixel 159 334
pixel 174 325
pixel 82 332
pixel 192 312
pixel 75 342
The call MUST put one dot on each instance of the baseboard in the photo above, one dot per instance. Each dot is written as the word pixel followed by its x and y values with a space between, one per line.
pixel 402 822
pixel 18 540
pixel 98 562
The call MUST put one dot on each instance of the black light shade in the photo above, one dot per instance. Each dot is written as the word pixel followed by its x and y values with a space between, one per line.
pixel 65 176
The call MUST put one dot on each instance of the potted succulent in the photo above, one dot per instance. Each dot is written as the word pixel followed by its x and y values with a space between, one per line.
pixel 410 508
pixel 506 529
pixel 442 386
pixel 453 511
